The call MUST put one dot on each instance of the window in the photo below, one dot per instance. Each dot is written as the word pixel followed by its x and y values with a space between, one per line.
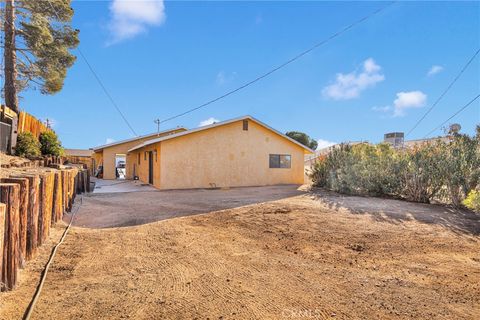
pixel 145 156
pixel 280 161
pixel 245 125
pixel 139 158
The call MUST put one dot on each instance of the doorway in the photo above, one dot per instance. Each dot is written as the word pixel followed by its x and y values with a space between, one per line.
pixel 120 166
pixel 150 167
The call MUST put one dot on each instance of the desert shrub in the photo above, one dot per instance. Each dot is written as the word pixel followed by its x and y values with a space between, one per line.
pixel 319 172
pixel 27 145
pixel 473 201
pixel 50 145
pixel 359 169
pixel 441 171
pixel 421 173
pixel 461 167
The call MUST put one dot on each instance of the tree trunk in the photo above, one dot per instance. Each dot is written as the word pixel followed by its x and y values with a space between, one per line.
pixel 10 69
pixel 11 98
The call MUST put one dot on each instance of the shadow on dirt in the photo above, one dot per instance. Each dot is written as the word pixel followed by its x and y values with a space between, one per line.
pixel 124 209
pixel 398 211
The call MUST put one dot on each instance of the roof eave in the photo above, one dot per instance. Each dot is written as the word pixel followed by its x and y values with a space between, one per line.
pixel 218 124
pixel 99 148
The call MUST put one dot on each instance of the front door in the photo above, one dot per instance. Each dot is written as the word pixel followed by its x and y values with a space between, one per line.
pixel 150 167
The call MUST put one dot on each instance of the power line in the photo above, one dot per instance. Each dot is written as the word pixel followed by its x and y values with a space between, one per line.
pixel 444 92
pixel 298 56
pixel 105 90
pixel 100 82
pixel 460 110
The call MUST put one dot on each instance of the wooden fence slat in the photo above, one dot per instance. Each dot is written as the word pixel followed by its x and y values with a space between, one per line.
pixel 46 202
pixel 10 195
pixel 64 190
pixel 28 123
pixel 57 198
pixel 32 213
pixel 3 209
pixel 23 212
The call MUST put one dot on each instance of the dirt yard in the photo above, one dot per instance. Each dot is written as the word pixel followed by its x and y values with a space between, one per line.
pixel 301 257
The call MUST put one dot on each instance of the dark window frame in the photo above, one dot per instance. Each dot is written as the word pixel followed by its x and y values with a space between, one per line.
pixel 138 158
pixel 245 125
pixel 275 161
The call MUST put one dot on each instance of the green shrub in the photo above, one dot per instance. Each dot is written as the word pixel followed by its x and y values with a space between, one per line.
pixel 461 167
pixel 421 174
pixel 445 171
pixel 50 145
pixel 27 145
pixel 473 201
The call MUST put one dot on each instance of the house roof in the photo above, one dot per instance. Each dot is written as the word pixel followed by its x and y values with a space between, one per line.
pixel 151 135
pixel 79 152
pixel 218 124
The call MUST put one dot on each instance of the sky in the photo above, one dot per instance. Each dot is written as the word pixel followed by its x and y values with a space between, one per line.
pixel 157 59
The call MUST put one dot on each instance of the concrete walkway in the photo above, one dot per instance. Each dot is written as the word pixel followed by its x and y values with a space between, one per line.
pixel 115 186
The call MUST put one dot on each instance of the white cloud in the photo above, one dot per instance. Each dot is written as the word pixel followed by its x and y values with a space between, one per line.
pixel 324 144
pixel 434 70
pixel 382 109
pixel 109 140
pixel 208 121
pixel 224 77
pixel 350 85
pixel 132 17
pixel 407 100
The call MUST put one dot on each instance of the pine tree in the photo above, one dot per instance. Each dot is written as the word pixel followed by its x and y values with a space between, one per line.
pixel 38 40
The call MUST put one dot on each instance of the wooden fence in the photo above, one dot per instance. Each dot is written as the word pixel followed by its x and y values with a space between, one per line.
pixel 28 123
pixel 31 201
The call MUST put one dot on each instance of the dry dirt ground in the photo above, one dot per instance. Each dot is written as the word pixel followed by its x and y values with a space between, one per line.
pixel 301 257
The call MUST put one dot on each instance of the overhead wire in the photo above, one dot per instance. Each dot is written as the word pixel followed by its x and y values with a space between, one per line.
pixel 450 85
pixel 99 81
pixel 298 56
pixel 454 115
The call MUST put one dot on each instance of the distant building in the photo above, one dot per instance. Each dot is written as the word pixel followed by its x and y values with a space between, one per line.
pixel 413 143
pixel 395 139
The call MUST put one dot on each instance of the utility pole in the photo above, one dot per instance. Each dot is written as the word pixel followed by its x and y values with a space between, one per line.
pixel 157 121
pixel 47 123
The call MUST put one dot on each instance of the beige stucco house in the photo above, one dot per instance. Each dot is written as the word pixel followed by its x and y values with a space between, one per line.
pixel 238 152
pixel 108 155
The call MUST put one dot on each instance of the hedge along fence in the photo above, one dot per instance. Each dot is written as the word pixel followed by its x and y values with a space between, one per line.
pixel 28 123
pixel 31 201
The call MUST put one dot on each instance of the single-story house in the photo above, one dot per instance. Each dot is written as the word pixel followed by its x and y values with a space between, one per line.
pixel 113 155
pixel 239 152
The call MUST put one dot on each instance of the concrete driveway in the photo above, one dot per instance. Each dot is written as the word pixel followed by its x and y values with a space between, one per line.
pixel 112 186
pixel 120 209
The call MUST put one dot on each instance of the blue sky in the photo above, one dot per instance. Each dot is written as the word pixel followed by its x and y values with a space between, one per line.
pixel 159 59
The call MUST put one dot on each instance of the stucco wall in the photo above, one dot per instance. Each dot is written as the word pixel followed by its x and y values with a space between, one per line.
pixel 98 157
pixel 142 168
pixel 109 154
pixel 227 156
